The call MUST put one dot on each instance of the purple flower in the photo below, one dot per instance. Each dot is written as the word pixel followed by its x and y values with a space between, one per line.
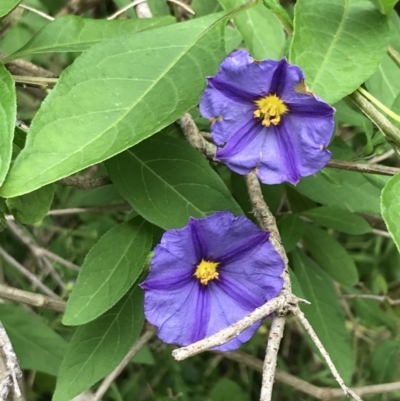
pixel 207 276
pixel 263 116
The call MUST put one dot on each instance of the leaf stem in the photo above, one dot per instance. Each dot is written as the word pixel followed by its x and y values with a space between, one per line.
pixel 43 82
pixel 377 103
pixel 394 55
pixel 385 126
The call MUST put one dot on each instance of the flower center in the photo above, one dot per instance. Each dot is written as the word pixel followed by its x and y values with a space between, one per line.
pixel 206 271
pixel 270 108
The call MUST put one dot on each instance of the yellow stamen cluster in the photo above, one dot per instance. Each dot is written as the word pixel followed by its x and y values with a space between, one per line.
pixel 270 108
pixel 206 271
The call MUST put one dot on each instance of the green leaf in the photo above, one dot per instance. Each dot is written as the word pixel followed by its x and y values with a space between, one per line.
pixel 98 347
pixel 33 207
pixel 280 13
pixel 76 34
pixel 390 203
pixel 384 84
pixel 8 114
pixel 385 6
pixel 262 32
pixel 167 181
pixel 324 314
pixel 227 389
pixel 338 44
pixel 6 6
pixel 205 7
pixel 384 362
pixel 144 356
pixel 152 84
pixel 291 229
pixel 331 256
pixel 37 346
pixel 338 219
pixel 344 189
pixel 109 270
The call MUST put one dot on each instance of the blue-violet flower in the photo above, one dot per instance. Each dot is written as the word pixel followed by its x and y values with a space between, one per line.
pixel 207 276
pixel 264 117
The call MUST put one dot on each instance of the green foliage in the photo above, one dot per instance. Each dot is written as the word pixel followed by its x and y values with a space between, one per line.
pixel 291 229
pixel 319 44
pixel 38 347
pixel 8 113
pixel 324 313
pixel 32 207
pixel 338 219
pixel 331 256
pixel 255 25
pixel 96 348
pixel 109 270
pixel 391 209
pixel 91 125
pixel 76 34
pixel 385 6
pixel 167 181
pixel 7 5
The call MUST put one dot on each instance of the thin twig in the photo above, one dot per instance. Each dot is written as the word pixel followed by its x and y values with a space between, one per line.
pixel 85 183
pixel 31 298
pixel 37 252
pixel 384 125
pixel 143 10
pixel 13 371
pixel 195 138
pixel 24 271
pixel 232 331
pixel 303 320
pixel 380 158
pixel 38 12
pixel 379 298
pixel 118 370
pixel 382 233
pixel 321 393
pixel 23 67
pixel 271 357
pixel 41 82
pixel 363 167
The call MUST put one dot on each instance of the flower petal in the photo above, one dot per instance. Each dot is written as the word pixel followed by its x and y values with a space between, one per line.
pixel 181 315
pixel 226 310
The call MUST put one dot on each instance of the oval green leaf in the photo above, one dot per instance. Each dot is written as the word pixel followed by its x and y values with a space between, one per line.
pixel 325 313
pixel 8 113
pixel 76 34
pixel 338 44
pixel 6 6
pixel 341 220
pixel 331 256
pixel 291 229
pixel 116 94
pixel 109 270
pixel 167 181
pixel 390 203
pixel 33 207
pixel 36 345
pixel 261 31
pixel 98 347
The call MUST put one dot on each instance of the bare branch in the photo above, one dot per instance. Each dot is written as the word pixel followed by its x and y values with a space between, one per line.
pixel 379 298
pixel 24 271
pixel 82 182
pixel 363 167
pixel 303 320
pixel 118 370
pixel 31 298
pixel 195 138
pixel 271 357
pixel 380 158
pixel 232 331
pixel 38 12
pixel 23 67
pixel 12 370
pixel 143 10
